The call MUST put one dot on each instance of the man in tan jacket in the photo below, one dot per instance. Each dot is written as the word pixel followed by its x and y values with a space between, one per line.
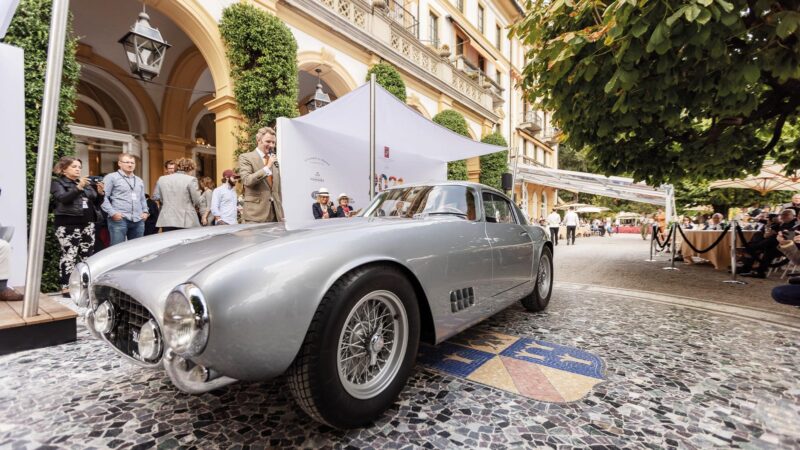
pixel 261 178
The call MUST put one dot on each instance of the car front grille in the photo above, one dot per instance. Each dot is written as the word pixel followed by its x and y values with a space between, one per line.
pixel 129 316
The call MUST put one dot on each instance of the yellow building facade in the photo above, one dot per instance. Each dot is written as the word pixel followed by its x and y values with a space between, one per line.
pixel 452 54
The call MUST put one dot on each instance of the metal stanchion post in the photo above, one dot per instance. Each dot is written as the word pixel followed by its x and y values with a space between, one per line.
pixel 733 257
pixel 674 247
pixel 652 243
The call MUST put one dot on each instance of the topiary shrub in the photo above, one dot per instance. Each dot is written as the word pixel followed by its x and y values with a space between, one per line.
pixel 454 121
pixel 263 56
pixel 495 164
pixel 29 30
pixel 388 77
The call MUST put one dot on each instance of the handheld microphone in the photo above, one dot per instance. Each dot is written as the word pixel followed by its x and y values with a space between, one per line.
pixel 275 154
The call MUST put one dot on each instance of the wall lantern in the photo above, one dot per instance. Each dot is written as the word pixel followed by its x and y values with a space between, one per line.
pixel 144 48
pixel 320 98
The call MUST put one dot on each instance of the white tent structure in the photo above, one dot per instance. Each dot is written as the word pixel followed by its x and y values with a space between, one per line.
pixel 615 187
pixel 330 148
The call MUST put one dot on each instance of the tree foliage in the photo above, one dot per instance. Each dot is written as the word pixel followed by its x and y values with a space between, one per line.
pixel 668 89
pixel 263 56
pixel 388 77
pixel 30 30
pixel 454 121
pixel 495 164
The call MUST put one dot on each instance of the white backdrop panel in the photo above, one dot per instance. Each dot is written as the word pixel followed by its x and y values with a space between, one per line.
pixel 12 171
pixel 317 157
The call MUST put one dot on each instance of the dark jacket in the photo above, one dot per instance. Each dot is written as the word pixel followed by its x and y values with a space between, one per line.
pixel 68 199
pixel 317 210
pixel 340 211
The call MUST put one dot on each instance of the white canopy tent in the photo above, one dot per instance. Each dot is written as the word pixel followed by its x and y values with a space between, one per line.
pixel 330 148
pixel 615 187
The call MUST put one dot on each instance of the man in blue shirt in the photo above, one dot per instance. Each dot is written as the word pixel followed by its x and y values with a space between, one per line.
pixel 125 202
pixel 224 205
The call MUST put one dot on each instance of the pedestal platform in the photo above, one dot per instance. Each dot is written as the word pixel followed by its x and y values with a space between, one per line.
pixel 55 324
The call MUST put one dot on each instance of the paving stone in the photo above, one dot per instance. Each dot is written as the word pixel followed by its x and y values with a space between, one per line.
pixel 674 378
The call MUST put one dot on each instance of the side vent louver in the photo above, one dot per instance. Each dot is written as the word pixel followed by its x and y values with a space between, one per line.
pixel 461 299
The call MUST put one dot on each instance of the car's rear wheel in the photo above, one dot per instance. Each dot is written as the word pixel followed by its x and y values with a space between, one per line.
pixel 360 348
pixel 540 297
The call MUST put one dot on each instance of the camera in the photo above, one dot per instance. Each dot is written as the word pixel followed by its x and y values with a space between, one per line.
pixel 94 179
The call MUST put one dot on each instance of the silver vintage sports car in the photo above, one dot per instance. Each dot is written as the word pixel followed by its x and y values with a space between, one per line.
pixel 340 304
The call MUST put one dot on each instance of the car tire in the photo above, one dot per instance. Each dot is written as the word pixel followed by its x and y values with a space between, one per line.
pixel 543 287
pixel 323 382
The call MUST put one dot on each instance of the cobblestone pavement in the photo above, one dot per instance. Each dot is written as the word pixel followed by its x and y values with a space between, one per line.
pixel 674 377
pixel 618 262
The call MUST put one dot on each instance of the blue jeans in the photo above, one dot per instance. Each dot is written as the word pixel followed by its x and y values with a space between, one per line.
pixel 120 230
pixel 788 294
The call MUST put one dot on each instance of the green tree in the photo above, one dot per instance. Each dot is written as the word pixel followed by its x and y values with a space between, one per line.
pixel 263 56
pixel 454 121
pixel 495 164
pixel 699 194
pixel 30 30
pixel 388 77
pixel 668 89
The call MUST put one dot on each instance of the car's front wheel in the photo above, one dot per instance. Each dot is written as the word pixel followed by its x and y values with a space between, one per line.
pixel 359 349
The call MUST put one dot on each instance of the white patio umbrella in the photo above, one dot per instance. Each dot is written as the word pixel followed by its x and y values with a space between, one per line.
pixel 772 177
pixel 628 215
pixel 591 209
pixel 566 206
pixel 700 208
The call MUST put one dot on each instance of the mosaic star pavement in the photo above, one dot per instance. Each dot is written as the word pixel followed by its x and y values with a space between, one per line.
pixel 675 378
pixel 535 369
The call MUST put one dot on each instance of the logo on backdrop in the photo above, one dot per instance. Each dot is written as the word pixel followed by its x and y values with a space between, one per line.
pixel 535 369
pixel 385 152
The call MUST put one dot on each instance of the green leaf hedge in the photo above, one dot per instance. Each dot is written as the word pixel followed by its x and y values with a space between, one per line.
pixel 263 56
pixel 30 30
pixel 495 164
pixel 388 77
pixel 454 121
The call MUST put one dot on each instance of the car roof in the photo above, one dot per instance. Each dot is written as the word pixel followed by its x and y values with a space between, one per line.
pixel 471 184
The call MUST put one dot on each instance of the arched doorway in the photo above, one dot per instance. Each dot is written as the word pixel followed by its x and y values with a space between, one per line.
pixel 156 119
pixel 335 81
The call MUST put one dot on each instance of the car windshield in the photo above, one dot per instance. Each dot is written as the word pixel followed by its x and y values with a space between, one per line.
pixel 419 201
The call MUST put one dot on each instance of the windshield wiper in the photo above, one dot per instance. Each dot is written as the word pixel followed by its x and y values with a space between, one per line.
pixel 453 213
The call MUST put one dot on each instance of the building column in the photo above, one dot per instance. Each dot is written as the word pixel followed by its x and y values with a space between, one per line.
pixel 228 121
pixel 155 160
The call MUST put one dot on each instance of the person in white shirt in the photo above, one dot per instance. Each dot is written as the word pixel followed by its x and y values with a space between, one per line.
pixel 571 220
pixel 224 200
pixel 554 221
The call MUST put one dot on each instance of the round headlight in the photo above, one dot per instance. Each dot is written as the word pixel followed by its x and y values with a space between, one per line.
pixel 186 320
pixel 104 318
pixel 79 285
pixel 149 341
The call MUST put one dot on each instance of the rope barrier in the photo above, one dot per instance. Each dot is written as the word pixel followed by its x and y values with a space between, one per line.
pixel 741 236
pixel 668 239
pixel 694 249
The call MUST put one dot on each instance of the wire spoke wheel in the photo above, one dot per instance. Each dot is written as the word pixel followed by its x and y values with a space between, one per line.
pixel 543 278
pixel 372 344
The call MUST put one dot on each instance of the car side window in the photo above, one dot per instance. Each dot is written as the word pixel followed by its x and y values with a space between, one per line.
pixel 497 209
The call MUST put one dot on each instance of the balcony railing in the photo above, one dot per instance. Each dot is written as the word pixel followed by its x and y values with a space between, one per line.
pixel 398 29
pixel 403 17
pixel 551 135
pixel 531 121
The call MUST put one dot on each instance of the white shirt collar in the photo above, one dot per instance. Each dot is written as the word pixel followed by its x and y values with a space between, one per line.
pixel 260 153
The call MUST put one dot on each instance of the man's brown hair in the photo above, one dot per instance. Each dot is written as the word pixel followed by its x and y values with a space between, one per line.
pixel 184 165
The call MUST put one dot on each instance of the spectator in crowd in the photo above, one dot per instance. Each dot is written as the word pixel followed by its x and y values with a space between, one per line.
pixel 608 225
pixel 125 203
pixel 687 224
pixel 7 293
pixel 179 197
pixel 344 209
pixel 765 250
pixel 661 219
pixel 77 209
pixel 715 223
pixel 261 177
pixel 322 207
pixel 206 191
pixel 571 220
pixel 789 294
pixel 795 204
pixel 224 206
pixel 554 223
pixel 646 226
pixel 169 167
pixel 153 209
